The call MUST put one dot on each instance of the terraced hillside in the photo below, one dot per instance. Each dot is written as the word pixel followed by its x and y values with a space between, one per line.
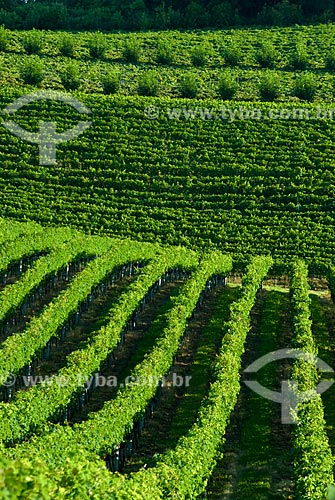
pixel 245 187
pixel 180 171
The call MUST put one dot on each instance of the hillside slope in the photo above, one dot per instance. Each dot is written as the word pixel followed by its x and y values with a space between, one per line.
pixel 180 171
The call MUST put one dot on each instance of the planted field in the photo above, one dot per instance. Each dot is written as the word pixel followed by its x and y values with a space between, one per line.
pixel 199 171
pixel 232 185
pixel 170 55
pixel 187 231
pixel 127 357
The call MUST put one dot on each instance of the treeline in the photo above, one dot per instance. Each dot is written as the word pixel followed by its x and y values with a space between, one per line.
pixel 109 15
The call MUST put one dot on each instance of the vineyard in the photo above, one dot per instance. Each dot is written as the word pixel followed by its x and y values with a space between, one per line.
pixel 77 311
pixel 173 170
pixel 153 180
pixel 182 236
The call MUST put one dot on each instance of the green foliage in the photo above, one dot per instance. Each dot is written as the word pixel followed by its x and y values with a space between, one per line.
pixel 200 54
pixel 267 55
pixel 148 84
pixel 313 461
pixel 102 213
pixel 331 492
pixel 66 45
pixel 299 58
pixel 97 45
pixel 197 14
pixel 111 82
pixel 330 60
pixel 32 42
pixel 97 434
pixel 305 87
pixel 256 437
pixel 331 280
pixel 87 361
pixel 201 369
pixel 14 296
pixel 132 51
pixel 70 76
pixel 269 87
pixel 283 13
pixel 232 55
pixel 42 328
pixel 188 86
pixel 164 53
pixel 184 471
pixel 139 15
pixel 177 47
pixel 228 86
pixel 224 15
pixel 83 363
pixel 32 71
pixel 4 39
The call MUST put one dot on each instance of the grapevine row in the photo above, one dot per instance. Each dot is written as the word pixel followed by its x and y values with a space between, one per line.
pixel 25 374
pixel 14 296
pixel 19 349
pixel 45 240
pixel 44 401
pixel 313 460
pixel 184 471
pixel 106 429
pixel 93 480
pixel 10 230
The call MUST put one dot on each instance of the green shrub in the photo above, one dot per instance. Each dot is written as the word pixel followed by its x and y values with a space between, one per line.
pixel 111 82
pixel 66 45
pixel 269 87
pixel 232 55
pixel 284 13
pixel 3 38
pixel 32 42
pixel 71 77
pixel 299 59
pixel 188 86
pixel 132 51
pixel 305 87
pixel 227 86
pixel 330 60
pixel 32 71
pixel 200 55
pixel 267 56
pixel 148 83
pixel 164 53
pixel 97 45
